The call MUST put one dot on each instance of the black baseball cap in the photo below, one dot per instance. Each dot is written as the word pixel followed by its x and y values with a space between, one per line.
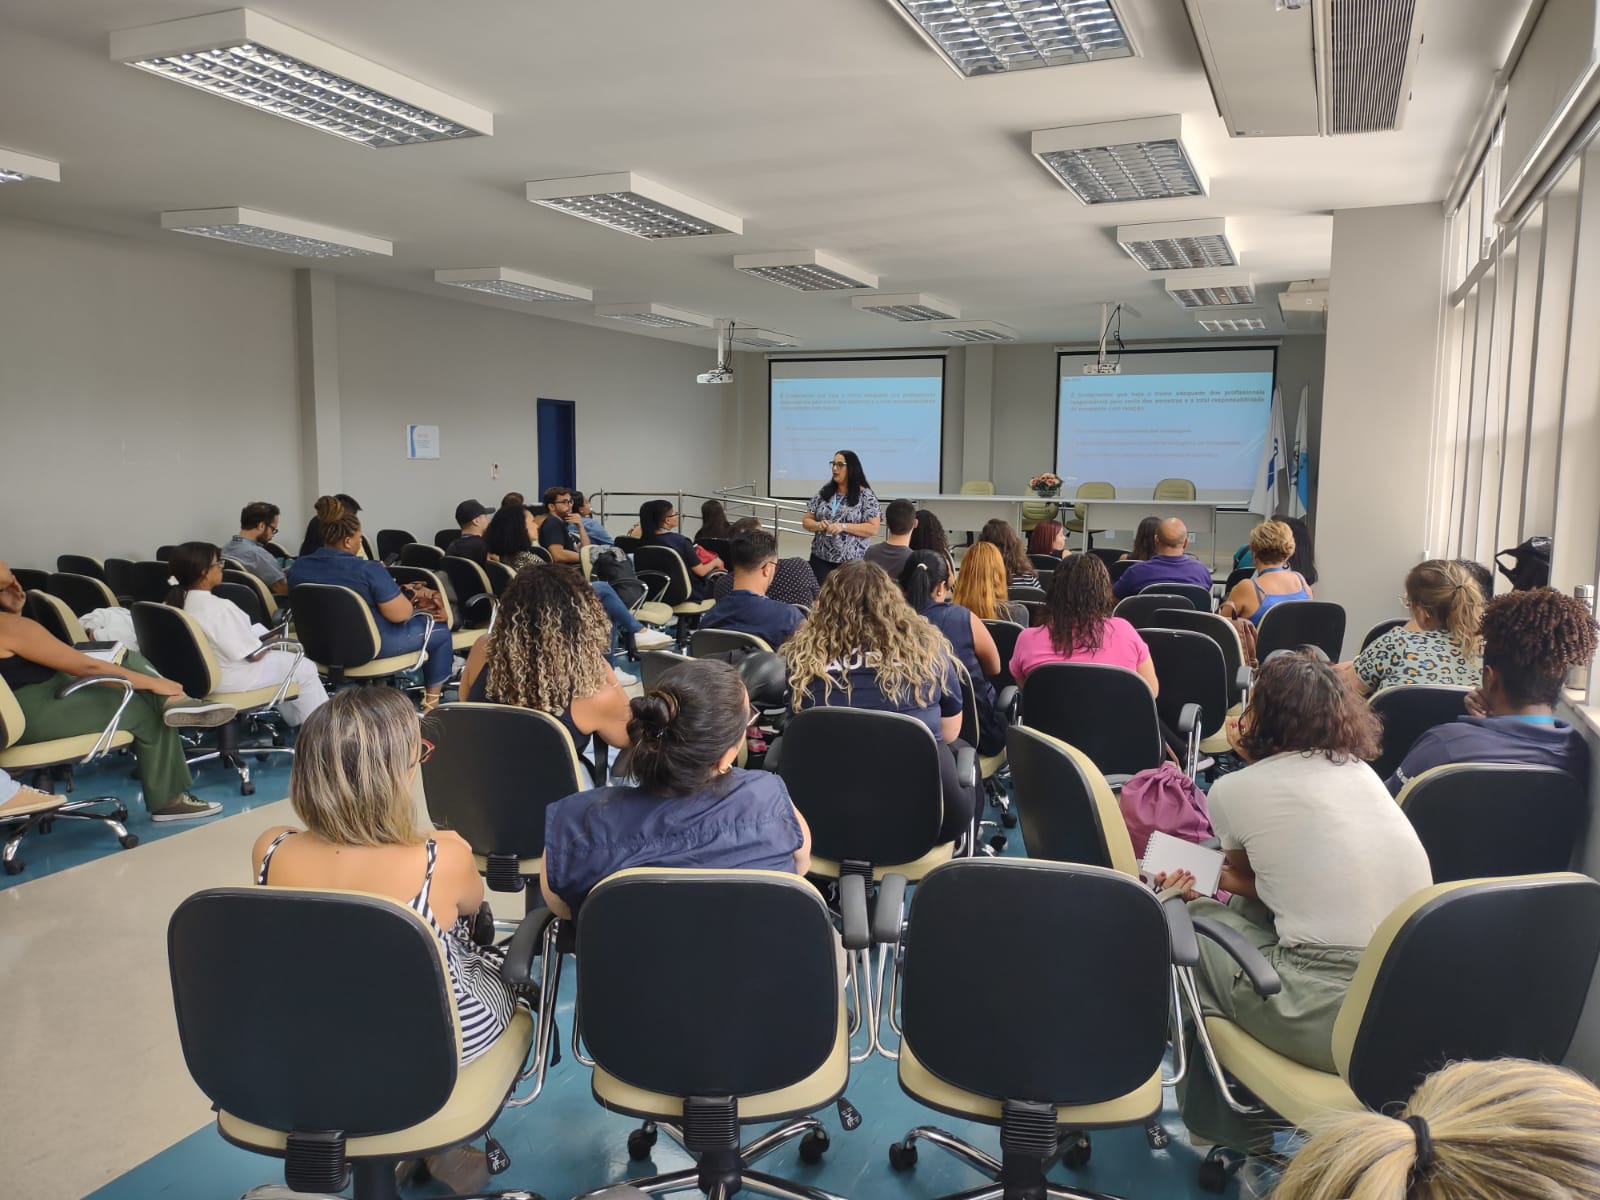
pixel 470 510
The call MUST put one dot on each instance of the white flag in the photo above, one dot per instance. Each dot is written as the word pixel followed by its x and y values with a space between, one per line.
pixel 1300 461
pixel 1272 475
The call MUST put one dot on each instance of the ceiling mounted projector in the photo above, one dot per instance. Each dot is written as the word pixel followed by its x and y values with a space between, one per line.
pixel 722 372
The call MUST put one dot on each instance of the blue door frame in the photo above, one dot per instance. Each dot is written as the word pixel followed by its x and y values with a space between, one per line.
pixel 557 429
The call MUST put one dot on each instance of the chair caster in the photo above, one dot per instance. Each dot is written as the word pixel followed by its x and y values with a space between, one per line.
pixel 247 789
pixel 14 866
pixel 1008 818
pixel 641 1142
pixel 813 1146
pixel 1076 1150
pixel 128 841
pixel 902 1155
pixel 997 843
pixel 121 812
pixel 1218 1167
pixel 46 825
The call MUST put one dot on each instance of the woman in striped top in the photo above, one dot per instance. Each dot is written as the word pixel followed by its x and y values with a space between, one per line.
pixel 1019 568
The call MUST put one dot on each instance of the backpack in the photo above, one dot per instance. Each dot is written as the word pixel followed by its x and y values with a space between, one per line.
pixel 610 564
pixel 1164 798
pixel 1530 563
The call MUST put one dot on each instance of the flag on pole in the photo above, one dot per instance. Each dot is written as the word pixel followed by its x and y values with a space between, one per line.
pixel 1272 475
pixel 1300 461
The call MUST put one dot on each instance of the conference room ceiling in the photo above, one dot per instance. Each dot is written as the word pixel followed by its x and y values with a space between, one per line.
pixel 825 124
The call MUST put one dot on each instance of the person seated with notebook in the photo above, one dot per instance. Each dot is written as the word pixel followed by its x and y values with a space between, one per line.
pixel 1530 640
pixel 747 609
pixel 1317 854
pixel 1170 563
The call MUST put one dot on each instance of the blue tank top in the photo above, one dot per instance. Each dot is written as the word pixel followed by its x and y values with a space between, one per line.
pixel 1268 599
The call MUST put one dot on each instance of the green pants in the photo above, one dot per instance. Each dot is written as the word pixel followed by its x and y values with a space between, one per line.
pixel 1297 1022
pixel 156 747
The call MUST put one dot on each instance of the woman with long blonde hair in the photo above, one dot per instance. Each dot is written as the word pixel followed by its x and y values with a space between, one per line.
pixel 982 586
pixel 864 646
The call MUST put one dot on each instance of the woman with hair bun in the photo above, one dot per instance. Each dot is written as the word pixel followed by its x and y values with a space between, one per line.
pixel 1438 645
pixel 688 806
pixel 1506 1129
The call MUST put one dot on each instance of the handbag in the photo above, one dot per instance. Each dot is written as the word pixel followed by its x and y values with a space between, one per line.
pixel 425 599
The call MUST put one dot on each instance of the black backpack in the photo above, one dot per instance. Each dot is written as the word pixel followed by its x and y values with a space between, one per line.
pixel 1530 564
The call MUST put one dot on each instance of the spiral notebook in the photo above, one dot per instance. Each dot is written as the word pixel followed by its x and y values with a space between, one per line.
pixel 1164 854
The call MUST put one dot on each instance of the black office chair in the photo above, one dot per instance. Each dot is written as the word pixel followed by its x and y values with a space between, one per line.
pixel 1109 555
pixel 1221 631
pixel 82 593
pixel 1024 591
pixel 653 664
pixel 278 552
pixel 81 564
pixel 391 542
pixel 349 1062
pixel 1144 610
pixel 30 578
pixel 1033 609
pixel 266 601
pixel 1199 597
pixel 1408 712
pixel 1120 567
pixel 713 643
pixel 147 580
pixel 1291 624
pixel 991 767
pixel 119 578
pixel 1067 810
pixel 56 616
pixel 1192 672
pixel 462 635
pixel 664 572
pixel 1046 562
pixel 721 547
pixel 245 599
pixel 442 538
pixel 340 635
pixel 1005 635
pixel 499 575
pixel 1235 577
pixel 1478 820
pixel 1106 712
pixel 474 591
pixel 416 554
pixel 1381 628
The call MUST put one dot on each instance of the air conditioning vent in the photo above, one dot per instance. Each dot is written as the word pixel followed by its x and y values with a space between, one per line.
pixel 1371 45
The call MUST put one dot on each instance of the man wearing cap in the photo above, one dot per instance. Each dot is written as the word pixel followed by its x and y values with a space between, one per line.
pixel 473 518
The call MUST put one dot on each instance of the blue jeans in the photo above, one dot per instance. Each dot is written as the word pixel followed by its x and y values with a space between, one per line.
pixel 622 621
pixel 406 638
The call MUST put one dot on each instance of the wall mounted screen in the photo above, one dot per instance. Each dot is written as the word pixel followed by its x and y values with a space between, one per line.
pixel 890 411
pixel 1200 415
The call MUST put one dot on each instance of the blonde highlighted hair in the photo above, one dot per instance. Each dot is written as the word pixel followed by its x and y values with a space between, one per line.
pixel 1271 543
pixel 351 779
pixel 1451 598
pixel 1500 1130
pixel 861 614
pixel 549 641
pixel 982 584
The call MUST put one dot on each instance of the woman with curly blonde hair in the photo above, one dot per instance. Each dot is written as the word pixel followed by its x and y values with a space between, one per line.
pixel 547 651
pixel 864 646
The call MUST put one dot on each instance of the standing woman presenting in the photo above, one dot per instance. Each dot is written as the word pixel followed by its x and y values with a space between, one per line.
pixel 842 517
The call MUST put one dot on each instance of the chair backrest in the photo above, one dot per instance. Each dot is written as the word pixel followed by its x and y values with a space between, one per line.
pixel 721 547
pixel 1096 489
pixel 540 553
pixel 1220 630
pixel 82 593
pixel 417 554
pixel 444 537
pixel 392 541
pixel 1106 712
pixel 977 487
pixel 1294 623
pixel 368 977
pixel 334 625
pixel 1409 711
pixel 494 771
pixel 743 994
pixel 1145 609
pixel 147 580
pixel 499 575
pixel 969 705
pixel 1065 807
pixel 119 576
pixel 1034 608
pixel 625 543
pixel 81 564
pixel 176 647
pixel 1174 489
pixel 668 562
pixel 707 643
pixel 653 664
pixel 1109 555
pixel 1005 635
pixel 31 579
pixel 1478 820
pixel 468 579
pixel 1191 670
pixel 403 574
pixel 1199 597
pixel 1045 562
pixel 56 615
pixel 279 553
pixel 265 600
pixel 1488 968
pixel 1120 567
pixel 1024 591
pixel 243 597
pixel 1235 577
pixel 1034 511
pixel 1083 1027
pixel 12 722
pixel 867 783
pixel 1381 628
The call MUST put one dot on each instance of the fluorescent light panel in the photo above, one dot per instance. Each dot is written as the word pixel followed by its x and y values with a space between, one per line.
pixel 1205 288
pixel 805 271
pixel 274 68
pixel 1121 160
pixel 907 306
pixel 629 202
pixel 974 331
pixel 761 339
pixel 1243 321
pixel 1179 245
pixel 659 316
pixel 270 231
pixel 513 285
pixel 17 167
pixel 991 37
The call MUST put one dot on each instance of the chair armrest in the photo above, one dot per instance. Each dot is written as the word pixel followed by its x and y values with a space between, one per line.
pixel 1263 978
pixel 853 910
pixel 655 583
pixel 967 767
pixel 1188 718
pixel 524 947
pixel 1180 931
pixel 103 742
pixel 1241 681
pixel 890 910
pixel 267 648
pixel 1008 703
pixel 477 610
pixel 77 685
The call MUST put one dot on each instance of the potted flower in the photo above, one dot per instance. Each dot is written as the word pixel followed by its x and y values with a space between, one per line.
pixel 1047 485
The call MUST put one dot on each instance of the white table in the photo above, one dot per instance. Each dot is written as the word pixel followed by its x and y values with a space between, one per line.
pixel 962 511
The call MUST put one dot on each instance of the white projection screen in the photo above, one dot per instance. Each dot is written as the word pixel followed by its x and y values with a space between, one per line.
pixel 1200 415
pixel 888 409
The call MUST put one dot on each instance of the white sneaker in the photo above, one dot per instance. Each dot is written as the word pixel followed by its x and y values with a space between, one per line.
pixel 624 678
pixel 651 639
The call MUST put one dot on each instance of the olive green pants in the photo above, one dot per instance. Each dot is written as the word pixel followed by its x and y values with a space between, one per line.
pixel 156 747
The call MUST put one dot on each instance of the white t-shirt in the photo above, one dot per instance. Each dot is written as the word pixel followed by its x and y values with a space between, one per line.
pixel 1332 852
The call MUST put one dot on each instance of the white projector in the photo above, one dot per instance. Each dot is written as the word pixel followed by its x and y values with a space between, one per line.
pixel 718 374
pixel 1102 368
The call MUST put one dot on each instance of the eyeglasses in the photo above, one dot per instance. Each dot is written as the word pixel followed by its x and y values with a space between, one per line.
pixel 271 529
pixel 838 462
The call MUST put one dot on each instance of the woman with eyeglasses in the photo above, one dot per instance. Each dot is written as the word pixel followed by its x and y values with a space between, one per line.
pixel 245 661
pixel 351 786
pixel 688 805
pixel 658 526
pixel 1438 645
pixel 842 517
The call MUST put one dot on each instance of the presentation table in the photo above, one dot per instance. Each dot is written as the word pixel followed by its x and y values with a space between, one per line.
pixel 964 511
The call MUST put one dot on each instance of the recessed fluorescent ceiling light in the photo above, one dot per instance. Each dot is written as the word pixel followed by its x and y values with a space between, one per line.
pixel 762 339
pixel 16 167
pixel 805 271
pixel 269 231
pixel 1204 288
pixel 658 315
pixel 907 306
pixel 243 56
pixel 974 331
pixel 633 204
pixel 1250 321
pixel 989 37
pixel 1179 245
pixel 513 285
pixel 1121 160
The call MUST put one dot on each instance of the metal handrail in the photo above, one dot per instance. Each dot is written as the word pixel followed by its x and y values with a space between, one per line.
pixel 757 506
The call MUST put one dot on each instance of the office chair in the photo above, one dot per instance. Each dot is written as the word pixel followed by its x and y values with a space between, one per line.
pixel 82 593
pixel 1093 490
pixel 1120 567
pixel 474 591
pixel 710 643
pixel 1408 711
pixel 1235 577
pixel 81 564
pixel 1294 623
pixel 1471 970
pixel 245 598
pixel 1067 810
pixel 1199 597
pixel 1034 511
pixel 60 752
pixel 1174 489
pixel 1192 672
pixel 31 579
pixel 499 575
pixel 664 572
pixel 1144 610
pixel 1005 635
pixel 347 1062
pixel 119 578
pixel 266 599
pixel 1046 562
pixel 653 664
pixel 462 635
pixel 147 580
pixel 56 616
pixel 1033 610
pixel 177 647
pixel 991 767
pixel 1478 820
pixel 279 553
pixel 1025 591
pixel 1110 555
pixel 339 634
pixel 1221 631
pixel 443 537
pixel 416 554
pixel 1106 712
pixel 391 542
pixel 1381 628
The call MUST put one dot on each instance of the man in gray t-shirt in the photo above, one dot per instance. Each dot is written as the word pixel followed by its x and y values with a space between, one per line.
pixel 891 554
pixel 258 524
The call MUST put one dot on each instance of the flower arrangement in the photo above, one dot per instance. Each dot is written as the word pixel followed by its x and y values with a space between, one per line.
pixel 1047 484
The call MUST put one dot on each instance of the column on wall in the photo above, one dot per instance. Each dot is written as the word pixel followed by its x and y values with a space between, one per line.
pixel 317 354
pixel 977 427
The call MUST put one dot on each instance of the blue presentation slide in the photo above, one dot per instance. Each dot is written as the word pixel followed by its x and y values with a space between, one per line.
pixel 1134 430
pixel 893 423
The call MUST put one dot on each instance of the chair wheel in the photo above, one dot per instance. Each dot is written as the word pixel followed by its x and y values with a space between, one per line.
pixel 903 1156
pixel 997 843
pixel 128 841
pixel 1212 1176
pixel 14 866
pixel 121 813
pixel 1077 1152
pixel 1008 818
pixel 47 825
pixel 247 789
pixel 640 1143
pixel 813 1146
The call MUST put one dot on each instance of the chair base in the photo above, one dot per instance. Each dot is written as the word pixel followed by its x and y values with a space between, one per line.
pixel 73 810
pixel 1016 1177
pixel 374 1179
pixel 722 1173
